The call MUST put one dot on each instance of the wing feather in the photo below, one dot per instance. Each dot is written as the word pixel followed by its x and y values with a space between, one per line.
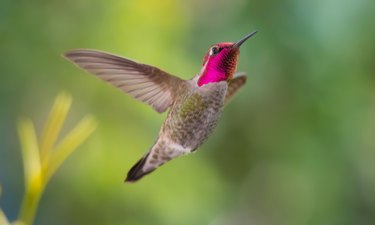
pixel 234 85
pixel 143 82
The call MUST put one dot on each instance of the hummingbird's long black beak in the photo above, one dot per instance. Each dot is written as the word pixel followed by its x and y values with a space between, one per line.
pixel 240 42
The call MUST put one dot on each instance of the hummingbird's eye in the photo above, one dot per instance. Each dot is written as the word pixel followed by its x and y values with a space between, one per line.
pixel 214 50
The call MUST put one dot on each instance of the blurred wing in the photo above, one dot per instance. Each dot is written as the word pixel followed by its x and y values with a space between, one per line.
pixel 234 85
pixel 143 82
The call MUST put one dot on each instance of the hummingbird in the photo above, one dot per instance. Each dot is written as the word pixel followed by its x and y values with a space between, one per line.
pixel 194 105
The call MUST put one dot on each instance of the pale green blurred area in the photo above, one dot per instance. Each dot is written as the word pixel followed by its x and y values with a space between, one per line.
pixel 296 146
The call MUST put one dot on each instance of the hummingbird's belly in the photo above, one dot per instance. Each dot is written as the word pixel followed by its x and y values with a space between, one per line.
pixel 193 118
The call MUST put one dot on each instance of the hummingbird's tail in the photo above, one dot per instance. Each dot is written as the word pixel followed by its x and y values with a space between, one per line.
pixel 160 153
pixel 137 172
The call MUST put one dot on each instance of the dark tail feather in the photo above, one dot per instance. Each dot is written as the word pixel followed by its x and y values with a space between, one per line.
pixel 136 172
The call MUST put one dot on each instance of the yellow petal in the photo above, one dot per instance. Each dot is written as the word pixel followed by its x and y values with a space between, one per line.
pixel 30 152
pixel 54 124
pixel 78 135
pixel 3 219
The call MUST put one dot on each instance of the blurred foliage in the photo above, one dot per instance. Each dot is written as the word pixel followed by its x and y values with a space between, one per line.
pixel 296 146
pixel 40 162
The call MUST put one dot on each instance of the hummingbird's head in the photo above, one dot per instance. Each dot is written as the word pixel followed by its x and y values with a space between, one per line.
pixel 220 61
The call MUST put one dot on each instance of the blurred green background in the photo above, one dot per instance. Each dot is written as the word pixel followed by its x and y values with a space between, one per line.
pixel 296 146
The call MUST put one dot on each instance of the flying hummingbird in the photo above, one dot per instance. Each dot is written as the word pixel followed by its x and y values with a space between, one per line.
pixel 195 105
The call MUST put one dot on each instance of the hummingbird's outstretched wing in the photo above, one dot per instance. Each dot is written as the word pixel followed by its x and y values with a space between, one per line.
pixel 234 85
pixel 143 82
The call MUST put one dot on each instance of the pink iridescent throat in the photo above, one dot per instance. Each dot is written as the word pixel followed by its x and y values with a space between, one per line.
pixel 219 67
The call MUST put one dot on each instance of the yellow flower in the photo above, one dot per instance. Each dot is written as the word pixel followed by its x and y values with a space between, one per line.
pixel 42 159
